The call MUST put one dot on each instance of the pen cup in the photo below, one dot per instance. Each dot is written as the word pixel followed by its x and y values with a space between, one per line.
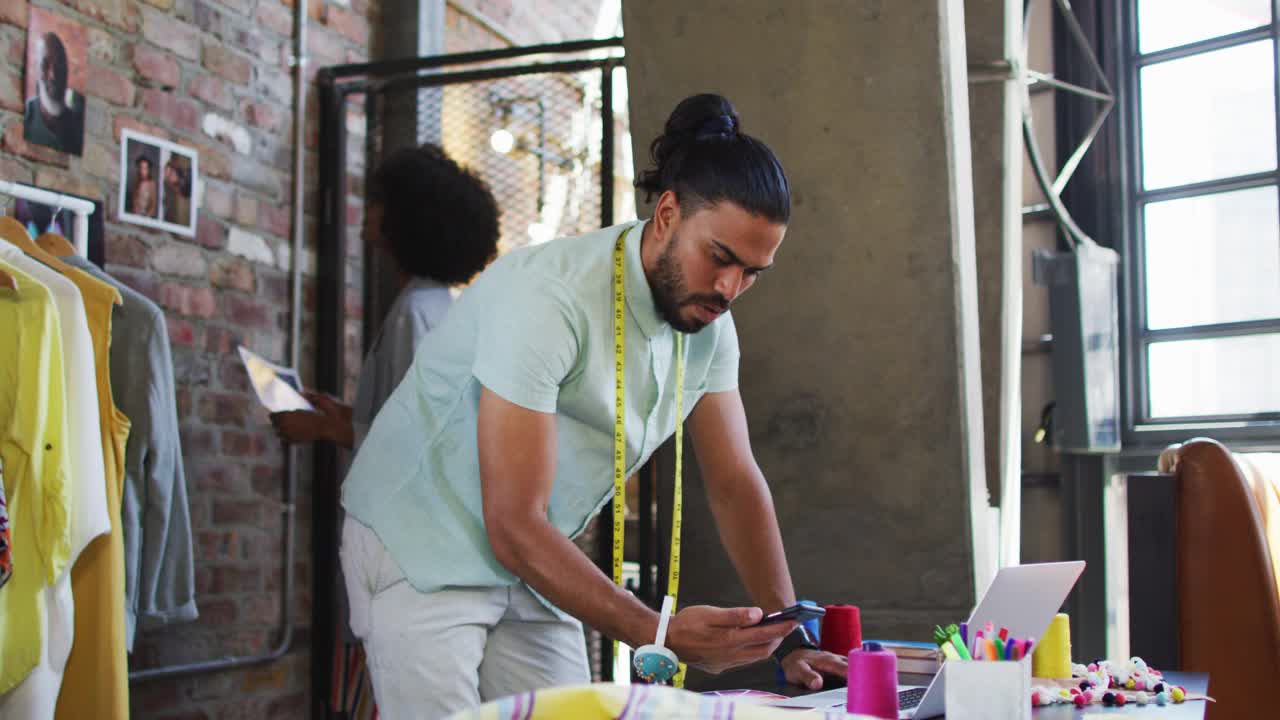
pixel 988 690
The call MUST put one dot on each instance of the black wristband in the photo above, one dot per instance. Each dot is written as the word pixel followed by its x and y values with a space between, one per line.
pixel 794 641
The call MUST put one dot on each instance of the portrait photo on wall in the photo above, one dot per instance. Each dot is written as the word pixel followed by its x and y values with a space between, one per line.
pixel 158 183
pixel 53 115
pixel 175 192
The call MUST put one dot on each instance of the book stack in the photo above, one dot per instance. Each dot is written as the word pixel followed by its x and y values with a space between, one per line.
pixel 915 658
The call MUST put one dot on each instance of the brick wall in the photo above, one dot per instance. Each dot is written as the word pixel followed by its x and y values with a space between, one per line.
pixel 477 24
pixel 200 72
pixel 167 67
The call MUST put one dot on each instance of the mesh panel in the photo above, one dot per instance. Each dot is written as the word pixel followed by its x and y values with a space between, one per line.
pixel 535 139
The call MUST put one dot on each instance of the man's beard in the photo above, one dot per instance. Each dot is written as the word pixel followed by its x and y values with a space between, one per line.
pixel 49 104
pixel 671 292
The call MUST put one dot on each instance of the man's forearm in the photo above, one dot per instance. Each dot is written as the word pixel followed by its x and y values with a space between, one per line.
pixel 743 509
pixel 550 563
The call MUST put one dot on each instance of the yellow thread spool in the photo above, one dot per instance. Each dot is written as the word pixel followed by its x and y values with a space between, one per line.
pixel 1052 655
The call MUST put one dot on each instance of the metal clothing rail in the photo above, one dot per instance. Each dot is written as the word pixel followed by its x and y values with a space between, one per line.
pixel 81 207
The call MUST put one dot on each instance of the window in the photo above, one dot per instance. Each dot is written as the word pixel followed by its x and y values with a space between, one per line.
pixel 1203 209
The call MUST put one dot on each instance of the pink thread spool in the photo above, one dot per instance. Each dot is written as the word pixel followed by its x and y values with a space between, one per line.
pixel 841 629
pixel 873 682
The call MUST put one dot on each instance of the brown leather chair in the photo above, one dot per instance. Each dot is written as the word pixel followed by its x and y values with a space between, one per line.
pixel 1228 560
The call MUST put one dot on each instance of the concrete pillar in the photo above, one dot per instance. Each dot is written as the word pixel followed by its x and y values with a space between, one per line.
pixel 993 36
pixel 860 365
pixel 410 28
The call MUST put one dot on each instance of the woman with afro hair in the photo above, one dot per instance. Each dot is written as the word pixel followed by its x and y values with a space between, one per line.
pixel 438 223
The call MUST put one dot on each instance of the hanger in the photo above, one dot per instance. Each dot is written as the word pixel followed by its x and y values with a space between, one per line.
pixel 13 231
pixel 8 281
pixel 53 243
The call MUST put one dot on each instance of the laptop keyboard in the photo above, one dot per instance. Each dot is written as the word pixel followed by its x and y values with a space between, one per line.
pixel 908 699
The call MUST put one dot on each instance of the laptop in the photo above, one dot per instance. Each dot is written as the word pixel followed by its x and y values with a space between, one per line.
pixel 1022 598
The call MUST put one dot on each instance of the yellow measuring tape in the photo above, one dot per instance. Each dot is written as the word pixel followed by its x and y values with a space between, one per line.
pixel 620 438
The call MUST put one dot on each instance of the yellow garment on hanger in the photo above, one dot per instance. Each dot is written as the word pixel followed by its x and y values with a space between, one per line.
pixel 56 245
pixel 34 446
pixel 96 683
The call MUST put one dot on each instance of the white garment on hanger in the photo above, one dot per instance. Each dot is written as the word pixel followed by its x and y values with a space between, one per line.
pixel 88 514
pixel 36 697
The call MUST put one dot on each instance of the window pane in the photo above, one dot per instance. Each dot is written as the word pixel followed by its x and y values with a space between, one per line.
pixel 1213 259
pixel 1222 376
pixel 1170 23
pixel 1209 116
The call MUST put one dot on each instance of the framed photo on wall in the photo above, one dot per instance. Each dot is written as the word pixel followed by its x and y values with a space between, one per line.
pixel 158 183
pixel 53 113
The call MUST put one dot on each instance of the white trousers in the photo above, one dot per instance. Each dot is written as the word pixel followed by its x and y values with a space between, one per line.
pixel 433 654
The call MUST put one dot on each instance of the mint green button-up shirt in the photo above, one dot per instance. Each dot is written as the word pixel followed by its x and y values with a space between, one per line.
pixel 536 328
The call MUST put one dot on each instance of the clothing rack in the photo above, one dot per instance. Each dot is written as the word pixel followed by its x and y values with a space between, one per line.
pixel 81 207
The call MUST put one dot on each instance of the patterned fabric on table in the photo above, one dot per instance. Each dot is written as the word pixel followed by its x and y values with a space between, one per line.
pixel 6 561
pixel 638 702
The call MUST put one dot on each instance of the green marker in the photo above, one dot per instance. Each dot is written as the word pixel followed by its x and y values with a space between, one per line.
pixel 953 634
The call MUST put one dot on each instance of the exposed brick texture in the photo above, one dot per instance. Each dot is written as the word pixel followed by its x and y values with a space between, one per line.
pixel 173 110
pixel 13 142
pixel 227 63
pixel 167 31
pixel 211 90
pixel 14 12
pixel 112 86
pixel 211 233
pixel 347 23
pixel 156 65
pixel 127 122
pixel 275 17
pixel 11 92
pixel 161 67
pixel 117 14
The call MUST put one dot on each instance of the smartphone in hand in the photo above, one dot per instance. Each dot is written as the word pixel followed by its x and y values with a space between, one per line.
pixel 797 613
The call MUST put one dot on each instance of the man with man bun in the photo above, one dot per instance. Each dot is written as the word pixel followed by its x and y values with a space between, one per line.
pixel 494 453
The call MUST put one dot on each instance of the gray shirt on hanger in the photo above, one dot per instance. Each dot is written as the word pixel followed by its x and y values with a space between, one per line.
pixel 155 515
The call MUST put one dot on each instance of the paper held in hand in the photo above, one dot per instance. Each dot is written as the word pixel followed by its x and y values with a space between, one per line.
pixel 277 386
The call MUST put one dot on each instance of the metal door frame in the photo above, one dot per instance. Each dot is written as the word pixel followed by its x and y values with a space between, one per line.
pixel 336 85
